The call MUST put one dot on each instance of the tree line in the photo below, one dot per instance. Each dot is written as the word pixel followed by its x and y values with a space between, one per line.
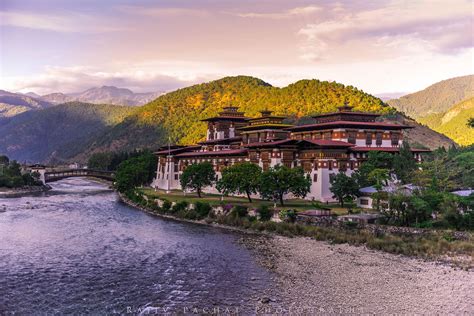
pixel 11 175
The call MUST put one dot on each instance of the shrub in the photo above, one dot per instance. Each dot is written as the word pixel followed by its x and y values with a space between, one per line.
pixel 288 216
pixel 264 212
pixel 240 211
pixel 179 207
pixel 351 225
pixel 202 209
pixel 166 207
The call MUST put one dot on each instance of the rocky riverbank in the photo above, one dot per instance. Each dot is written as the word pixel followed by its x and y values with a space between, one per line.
pixel 316 277
pixel 18 192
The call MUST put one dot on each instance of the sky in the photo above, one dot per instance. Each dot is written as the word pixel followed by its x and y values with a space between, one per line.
pixel 380 46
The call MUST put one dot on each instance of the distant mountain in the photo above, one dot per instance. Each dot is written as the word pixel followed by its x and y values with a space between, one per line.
pixel 437 98
pixel 56 132
pixel 389 95
pixel 12 104
pixel 453 122
pixel 57 98
pixel 104 95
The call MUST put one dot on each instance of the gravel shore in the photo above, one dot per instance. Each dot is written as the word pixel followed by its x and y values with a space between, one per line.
pixel 315 277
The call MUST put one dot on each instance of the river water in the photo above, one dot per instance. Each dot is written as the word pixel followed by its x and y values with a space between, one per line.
pixel 78 250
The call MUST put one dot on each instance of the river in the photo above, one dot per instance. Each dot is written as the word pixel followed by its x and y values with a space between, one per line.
pixel 77 250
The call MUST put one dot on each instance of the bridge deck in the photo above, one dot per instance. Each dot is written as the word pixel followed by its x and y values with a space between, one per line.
pixel 51 176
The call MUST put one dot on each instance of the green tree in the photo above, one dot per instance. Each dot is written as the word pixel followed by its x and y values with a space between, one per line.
pixel 280 180
pixel 4 160
pixel 242 178
pixel 404 164
pixel 135 171
pixel 470 122
pixel 379 177
pixel 100 161
pixel 198 176
pixel 375 160
pixel 344 187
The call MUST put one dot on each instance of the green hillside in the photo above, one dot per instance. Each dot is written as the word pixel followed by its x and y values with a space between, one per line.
pixel 453 123
pixel 437 98
pixel 56 132
pixel 73 131
pixel 179 112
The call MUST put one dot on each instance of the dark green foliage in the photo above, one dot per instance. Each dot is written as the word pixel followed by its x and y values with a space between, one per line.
pixel 264 212
pixel 99 161
pixel 12 177
pixel 197 176
pixel 280 180
pixel 344 187
pixel 241 178
pixel 240 211
pixel 375 160
pixel 111 160
pixel 202 209
pixel 179 207
pixel 470 122
pixel 403 164
pixel 288 216
pixel 59 132
pixel 450 169
pixel 166 207
pixel 136 171
pixel 4 160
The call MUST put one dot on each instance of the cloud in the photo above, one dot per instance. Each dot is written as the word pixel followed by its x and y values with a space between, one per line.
pixel 161 11
pixel 291 13
pixel 429 25
pixel 64 23
pixel 141 77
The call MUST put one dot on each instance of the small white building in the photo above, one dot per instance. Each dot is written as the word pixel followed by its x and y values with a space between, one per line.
pixel 366 200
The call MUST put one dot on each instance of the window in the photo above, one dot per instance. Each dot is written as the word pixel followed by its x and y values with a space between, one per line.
pixel 368 139
pixel 315 177
pixel 331 177
pixel 176 176
pixel 378 139
pixel 364 202
pixel 351 138
pixel 395 139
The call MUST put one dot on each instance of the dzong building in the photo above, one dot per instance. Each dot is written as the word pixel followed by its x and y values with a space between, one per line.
pixel 335 142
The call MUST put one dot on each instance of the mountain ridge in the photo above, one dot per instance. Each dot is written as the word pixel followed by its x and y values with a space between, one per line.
pixel 436 98
pixel 177 115
pixel 453 122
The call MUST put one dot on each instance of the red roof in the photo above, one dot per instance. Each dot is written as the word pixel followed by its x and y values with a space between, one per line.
pixel 387 149
pixel 270 144
pixel 176 150
pixel 350 124
pixel 226 118
pixel 232 152
pixel 328 142
pixel 346 112
pixel 318 142
pixel 224 140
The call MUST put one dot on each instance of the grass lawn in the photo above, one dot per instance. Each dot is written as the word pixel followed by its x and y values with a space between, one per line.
pixel 215 199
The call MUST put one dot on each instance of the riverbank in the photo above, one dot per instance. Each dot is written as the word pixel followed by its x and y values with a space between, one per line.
pixel 19 192
pixel 319 278
pixel 440 246
pixel 323 277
